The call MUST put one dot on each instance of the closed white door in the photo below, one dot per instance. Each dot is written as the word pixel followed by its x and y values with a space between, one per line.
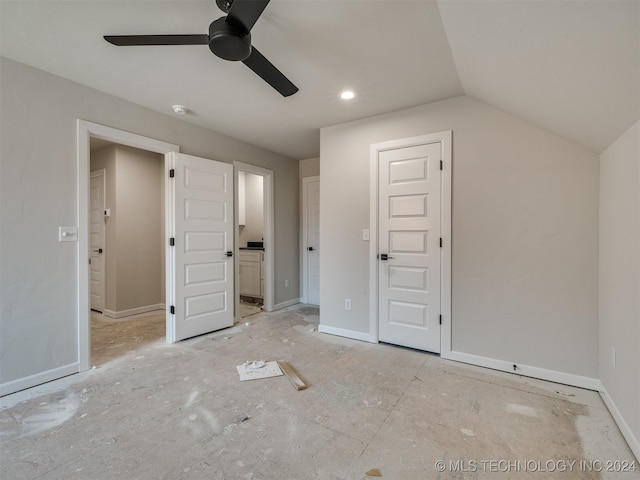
pixel 409 246
pixel 311 199
pixel 97 239
pixel 200 260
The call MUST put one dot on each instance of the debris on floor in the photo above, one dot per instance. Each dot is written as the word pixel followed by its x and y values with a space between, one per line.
pixel 258 369
pixel 253 365
pixel 293 377
pixel 374 472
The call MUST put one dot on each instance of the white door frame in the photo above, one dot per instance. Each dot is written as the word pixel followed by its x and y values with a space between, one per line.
pixel 444 138
pixel 87 130
pixel 303 247
pixel 269 244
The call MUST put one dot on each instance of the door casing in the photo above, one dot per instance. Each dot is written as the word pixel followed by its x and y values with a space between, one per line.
pixel 445 140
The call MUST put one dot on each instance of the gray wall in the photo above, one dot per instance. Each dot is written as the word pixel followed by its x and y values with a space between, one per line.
pixel 309 167
pixel 38 165
pixel 620 277
pixel 525 233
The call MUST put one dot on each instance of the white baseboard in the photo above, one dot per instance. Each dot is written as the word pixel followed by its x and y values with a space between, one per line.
pixel 288 303
pixel 632 440
pixel 133 311
pixel 38 378
pixel 526 370
pixel 341 332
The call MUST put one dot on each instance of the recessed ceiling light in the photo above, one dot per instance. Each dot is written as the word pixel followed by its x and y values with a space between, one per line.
pixel 180 109
pixel 347 95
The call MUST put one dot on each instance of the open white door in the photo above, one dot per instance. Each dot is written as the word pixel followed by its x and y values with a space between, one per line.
pixel 200 262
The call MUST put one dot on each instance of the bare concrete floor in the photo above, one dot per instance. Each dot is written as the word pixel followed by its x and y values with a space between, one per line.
pixel 155 411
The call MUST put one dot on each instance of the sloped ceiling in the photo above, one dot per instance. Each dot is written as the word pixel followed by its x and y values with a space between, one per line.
pixel 572 67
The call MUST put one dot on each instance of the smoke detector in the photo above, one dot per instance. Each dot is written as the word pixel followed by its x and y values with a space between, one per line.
pixel 180 109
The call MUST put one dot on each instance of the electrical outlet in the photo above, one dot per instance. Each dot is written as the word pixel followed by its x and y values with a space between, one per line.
pixel 286 283
pixel 613 356
pixel 347 304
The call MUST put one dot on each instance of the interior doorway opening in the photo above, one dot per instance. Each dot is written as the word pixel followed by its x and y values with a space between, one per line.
pixel 88 131
pixel 251 242
pixel 127 249
pixel 254 240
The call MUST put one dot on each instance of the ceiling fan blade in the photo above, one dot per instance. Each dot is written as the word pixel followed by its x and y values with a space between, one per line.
pixel 245 13
pixel 270 74
pixel 134 40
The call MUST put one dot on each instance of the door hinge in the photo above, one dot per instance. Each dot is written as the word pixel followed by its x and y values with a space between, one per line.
pixel 440 242
pixel 440 319
pixel 441 165
pixel 172 309
pixel 172 242
pixel 172 173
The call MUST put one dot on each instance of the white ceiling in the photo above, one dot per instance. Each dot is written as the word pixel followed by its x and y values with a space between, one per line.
pixel 572 67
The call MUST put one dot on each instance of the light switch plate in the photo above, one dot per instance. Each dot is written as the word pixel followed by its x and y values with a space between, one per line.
pixel 365 234
pixel 68 234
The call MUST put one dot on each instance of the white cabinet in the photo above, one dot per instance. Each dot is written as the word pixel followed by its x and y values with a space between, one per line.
pixel 262 274
pixel 251 273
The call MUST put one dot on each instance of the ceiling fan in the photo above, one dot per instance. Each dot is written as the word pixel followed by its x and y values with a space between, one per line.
pixel 229 38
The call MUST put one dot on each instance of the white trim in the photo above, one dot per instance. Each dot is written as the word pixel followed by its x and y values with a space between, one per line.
pixel 625 428
pixel 341 332
pixel 444 138
pixel 38 379
pixel 169 228
pixel 447 242
pixel 133 311
pixel 86 130
pixel 303 245
pixel 269 239
pixel 285 304
pixel 527 370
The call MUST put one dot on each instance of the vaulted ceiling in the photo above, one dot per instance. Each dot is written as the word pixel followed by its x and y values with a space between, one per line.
pixel 571 67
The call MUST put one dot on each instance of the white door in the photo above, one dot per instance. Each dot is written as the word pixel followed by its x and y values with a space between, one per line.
pixel 96 239
pixel 201 266
pixel 311 199
pixel 409 246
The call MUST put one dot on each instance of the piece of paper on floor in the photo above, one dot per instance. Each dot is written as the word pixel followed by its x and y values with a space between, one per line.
pixel 270 369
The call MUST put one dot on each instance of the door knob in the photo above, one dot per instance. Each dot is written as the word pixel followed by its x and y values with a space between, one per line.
pixel 99 250
pixel 310 249
pixel 384 256
pixel 229 253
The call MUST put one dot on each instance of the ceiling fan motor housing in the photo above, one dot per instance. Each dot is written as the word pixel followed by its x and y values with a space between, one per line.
pixel 229 41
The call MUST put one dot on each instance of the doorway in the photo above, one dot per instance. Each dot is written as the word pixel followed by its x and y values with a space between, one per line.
pixel 127 279
pixel 411 242
pixel 86 132
pixel 254 246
